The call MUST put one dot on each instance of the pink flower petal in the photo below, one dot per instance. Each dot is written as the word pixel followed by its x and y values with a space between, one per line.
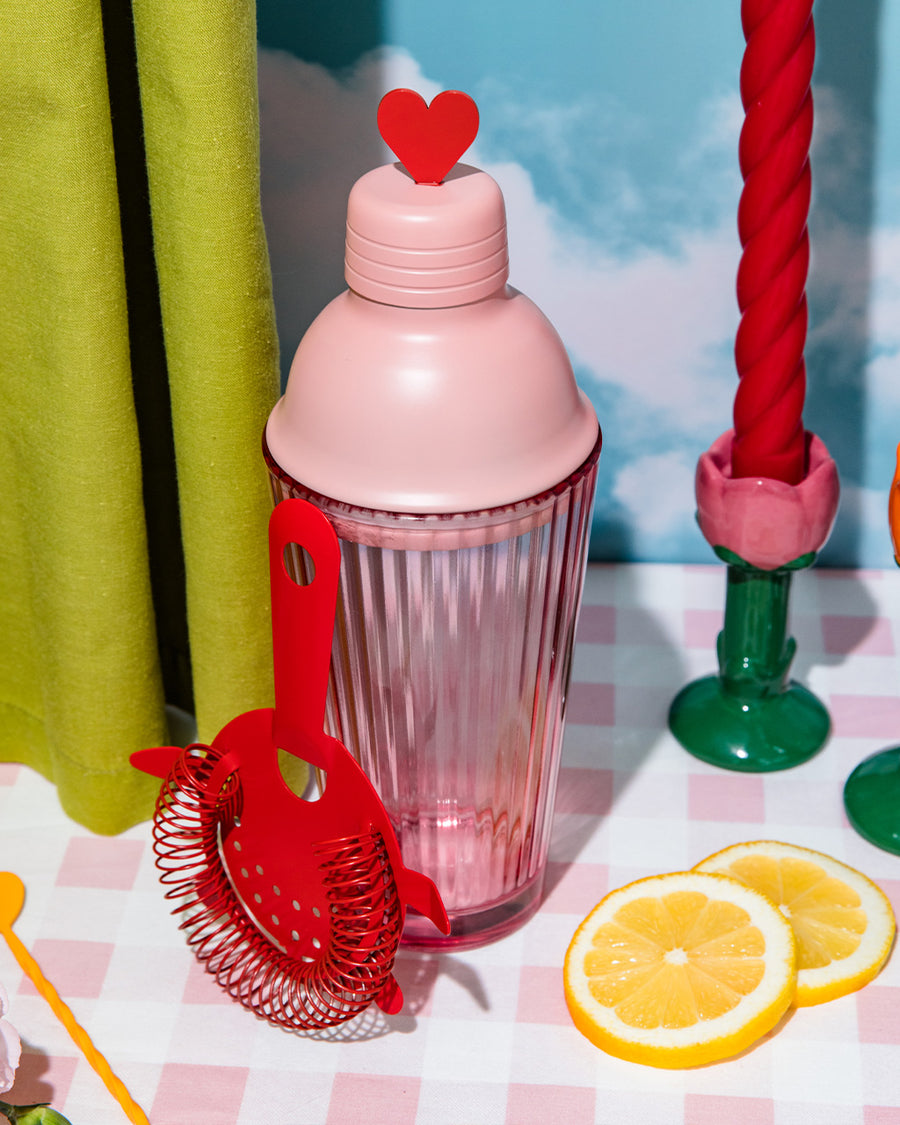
pixel 766 522
pixel 10 1046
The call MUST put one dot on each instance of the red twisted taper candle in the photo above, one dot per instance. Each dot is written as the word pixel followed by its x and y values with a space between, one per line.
pixel 771 284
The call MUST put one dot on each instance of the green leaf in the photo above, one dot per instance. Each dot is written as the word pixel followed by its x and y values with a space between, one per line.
pixel 728 556
pixel 40 1114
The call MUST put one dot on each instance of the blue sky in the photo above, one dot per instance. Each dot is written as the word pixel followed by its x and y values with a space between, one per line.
pixel 612 129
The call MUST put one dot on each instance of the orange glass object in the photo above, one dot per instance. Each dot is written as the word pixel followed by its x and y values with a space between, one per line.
pixel 894 510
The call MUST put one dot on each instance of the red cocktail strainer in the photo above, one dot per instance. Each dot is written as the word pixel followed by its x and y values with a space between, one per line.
pixel 295 906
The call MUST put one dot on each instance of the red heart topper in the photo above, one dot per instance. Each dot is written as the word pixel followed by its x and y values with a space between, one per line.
pixel 427 139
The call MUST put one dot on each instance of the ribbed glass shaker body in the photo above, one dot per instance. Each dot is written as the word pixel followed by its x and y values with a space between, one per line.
pixel 450 667
pixel 432 413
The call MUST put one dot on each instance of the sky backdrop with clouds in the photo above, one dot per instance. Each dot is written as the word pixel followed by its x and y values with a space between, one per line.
pixel 612 130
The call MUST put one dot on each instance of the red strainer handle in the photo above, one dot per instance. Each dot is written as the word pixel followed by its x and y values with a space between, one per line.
pixel 302 628
pixel 302 631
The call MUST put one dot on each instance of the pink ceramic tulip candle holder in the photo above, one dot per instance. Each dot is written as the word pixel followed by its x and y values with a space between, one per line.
pixel 750 716
pixel 767 491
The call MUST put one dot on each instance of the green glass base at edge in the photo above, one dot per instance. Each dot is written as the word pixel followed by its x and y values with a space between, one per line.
pixel 872 799
pixel 773 732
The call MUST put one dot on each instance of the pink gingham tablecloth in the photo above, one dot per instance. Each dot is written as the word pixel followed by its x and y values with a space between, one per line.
pixel 484 1037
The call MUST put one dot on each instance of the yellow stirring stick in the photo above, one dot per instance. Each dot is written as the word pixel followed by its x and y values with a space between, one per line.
pixel 12 897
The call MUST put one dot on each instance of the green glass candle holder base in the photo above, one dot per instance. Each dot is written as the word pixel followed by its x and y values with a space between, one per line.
pixel 751 717
pixel 872 799
pixel 774 732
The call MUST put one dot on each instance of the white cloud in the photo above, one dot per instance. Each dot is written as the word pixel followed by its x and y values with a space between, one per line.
pixel 884 368
pixel 318 136
pixel 863 514
pixel 658 491
pixel 658 325
pixel 883 381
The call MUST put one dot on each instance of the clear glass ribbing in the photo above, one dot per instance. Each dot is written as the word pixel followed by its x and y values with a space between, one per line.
pixel 449 674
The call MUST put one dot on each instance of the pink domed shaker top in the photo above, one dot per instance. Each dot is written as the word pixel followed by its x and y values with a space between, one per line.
pixel 432 412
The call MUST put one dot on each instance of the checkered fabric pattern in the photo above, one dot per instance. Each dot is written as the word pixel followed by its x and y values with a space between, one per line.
pixel 484 1037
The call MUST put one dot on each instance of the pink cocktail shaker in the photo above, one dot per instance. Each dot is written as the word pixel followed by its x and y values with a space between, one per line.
pixel 432 413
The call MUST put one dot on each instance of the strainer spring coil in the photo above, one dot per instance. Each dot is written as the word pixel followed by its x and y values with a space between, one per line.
pixel 352 967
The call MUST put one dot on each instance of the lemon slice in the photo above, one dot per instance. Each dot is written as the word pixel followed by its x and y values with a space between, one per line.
pixel 842 922
pixel 680 970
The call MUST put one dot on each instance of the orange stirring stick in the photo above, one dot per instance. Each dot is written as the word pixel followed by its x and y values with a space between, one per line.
pixel 12 897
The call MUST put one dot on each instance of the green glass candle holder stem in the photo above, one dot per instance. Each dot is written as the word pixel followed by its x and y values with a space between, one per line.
pixel 753 648
pixel 751 717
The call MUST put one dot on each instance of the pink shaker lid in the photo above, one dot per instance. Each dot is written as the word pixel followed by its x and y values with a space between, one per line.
pixel 426 246
pixel 431 386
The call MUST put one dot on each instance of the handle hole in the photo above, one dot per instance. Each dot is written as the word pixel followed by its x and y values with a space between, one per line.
pixel 299 565
pixel 302 780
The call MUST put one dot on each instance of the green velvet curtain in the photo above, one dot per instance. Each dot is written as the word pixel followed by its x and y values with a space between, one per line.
pixel 138 363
